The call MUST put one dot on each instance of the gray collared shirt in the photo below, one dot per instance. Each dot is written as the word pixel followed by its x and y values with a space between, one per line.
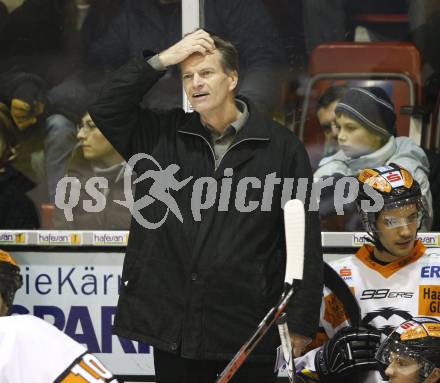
pixel 222 142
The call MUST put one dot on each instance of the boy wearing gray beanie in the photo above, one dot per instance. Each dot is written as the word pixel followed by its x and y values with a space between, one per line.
pixel 366 121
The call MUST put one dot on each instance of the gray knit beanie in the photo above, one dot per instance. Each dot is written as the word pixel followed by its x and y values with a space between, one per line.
pixel 371 107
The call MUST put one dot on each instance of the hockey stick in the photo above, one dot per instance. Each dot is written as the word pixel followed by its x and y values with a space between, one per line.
pixel 338 286
pixel 294 227
pixel 286 346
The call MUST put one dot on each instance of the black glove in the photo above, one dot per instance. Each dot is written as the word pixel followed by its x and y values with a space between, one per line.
pixel 351 350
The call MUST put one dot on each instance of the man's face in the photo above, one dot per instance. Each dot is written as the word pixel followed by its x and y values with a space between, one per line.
pixel 403 369
pixel 327 119
pixel 397 229
pixel 354 139
pixel 94 145
pixel 3 308
pixel 206 84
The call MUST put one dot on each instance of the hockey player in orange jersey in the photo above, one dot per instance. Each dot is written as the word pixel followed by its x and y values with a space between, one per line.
pixel 393 277
pixel 33 350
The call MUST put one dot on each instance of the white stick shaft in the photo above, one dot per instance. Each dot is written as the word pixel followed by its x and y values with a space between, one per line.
pixel 294 225
pixel 287 351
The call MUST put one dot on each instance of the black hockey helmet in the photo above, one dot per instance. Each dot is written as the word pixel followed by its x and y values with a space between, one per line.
pixel 10 278
pixel 414 344
pixel 398 189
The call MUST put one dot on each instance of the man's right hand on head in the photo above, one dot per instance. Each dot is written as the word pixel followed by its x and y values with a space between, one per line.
pixel 197 42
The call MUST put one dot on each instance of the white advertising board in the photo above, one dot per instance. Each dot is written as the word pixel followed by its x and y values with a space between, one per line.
pixel 78 292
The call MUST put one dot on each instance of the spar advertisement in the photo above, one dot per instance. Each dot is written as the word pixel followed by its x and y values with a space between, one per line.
pixel 78 292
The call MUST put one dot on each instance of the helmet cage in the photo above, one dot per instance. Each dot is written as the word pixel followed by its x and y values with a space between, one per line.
pixel 369 218
pixel 388 350
pixel 396 186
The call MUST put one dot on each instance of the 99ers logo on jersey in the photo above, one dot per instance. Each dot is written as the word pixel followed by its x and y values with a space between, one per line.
pixel 86 369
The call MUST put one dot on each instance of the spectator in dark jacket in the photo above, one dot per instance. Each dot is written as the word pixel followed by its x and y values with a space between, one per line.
pixel 17 211
pixel 47 38
pixel 24 94
pixel 36 37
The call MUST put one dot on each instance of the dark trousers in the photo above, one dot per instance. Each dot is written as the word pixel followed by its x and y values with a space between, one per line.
pixel 172 368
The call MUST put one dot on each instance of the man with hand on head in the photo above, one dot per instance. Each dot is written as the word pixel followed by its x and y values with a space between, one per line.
pixel 197 286
pixel 391 279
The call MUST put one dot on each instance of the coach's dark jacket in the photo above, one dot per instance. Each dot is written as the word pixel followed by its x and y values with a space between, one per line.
pixel 201 287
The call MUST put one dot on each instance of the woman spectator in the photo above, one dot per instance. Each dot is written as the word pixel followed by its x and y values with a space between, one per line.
pixel 95 157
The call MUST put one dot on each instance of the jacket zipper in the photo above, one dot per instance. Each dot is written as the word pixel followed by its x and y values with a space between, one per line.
pixel 233 145
pixel 204 139
pixel 244 139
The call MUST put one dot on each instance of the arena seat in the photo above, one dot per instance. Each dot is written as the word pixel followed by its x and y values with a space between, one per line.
pixel 46 216
pixel 385 26
pixel 395 66
pixel 375 18
pixel 390 26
